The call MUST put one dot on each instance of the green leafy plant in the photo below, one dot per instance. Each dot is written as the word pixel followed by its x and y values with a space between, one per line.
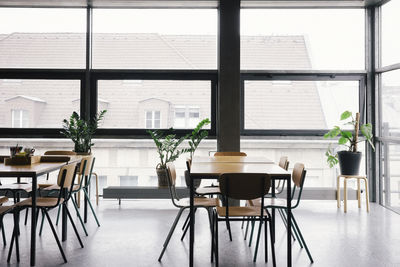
pixel 348 138
pixel 197 136
pixel 167 146
pixel 81 131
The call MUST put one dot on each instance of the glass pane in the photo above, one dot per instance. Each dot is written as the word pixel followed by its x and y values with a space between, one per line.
pixel 309 152
pixel 294 39
pixel 391 103
pixel 126 180
pixel 156 115
pixel 298 104
pixel 45 102
pixel 155 38
pixel 390 33
pixel 391 175
pixel 42 38
pixel 127 103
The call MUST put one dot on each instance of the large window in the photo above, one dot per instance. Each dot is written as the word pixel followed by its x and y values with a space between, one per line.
pixel 42 38
pixel 305 39
pixel 37 103
pixel 155 38
pixel 289 104
pixel 154 103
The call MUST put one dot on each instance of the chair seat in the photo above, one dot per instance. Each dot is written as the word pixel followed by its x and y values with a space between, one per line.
pixel 17 187
pixel 269 202
pixel 199 202
pixel 40 202
pixel 3 200
pixel 208 190
pixel 240 211
pixel 5 209
pixel 56 187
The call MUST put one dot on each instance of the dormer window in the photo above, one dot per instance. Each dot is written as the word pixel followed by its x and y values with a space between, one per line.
pixel 19 118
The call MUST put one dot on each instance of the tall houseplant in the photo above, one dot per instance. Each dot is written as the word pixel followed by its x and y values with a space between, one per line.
pixel 349 160
pixel 167 148
pixel 81 131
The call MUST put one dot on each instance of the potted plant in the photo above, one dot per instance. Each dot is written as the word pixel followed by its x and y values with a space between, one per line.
pixel 349 160
pixel 81 131
pixel 195 138
pixel 167 148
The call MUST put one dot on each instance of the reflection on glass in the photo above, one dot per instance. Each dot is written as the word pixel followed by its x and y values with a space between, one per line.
pixel 155 38
pixel 390 33
pixel 37 103
pixel 391 103
pixel 42 38
pixel 294 39
pixel 391 175
pixel 298 104
pixel 154 104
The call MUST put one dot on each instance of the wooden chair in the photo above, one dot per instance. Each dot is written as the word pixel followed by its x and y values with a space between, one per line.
pixel 298 177
pixel 65 181
pixel 182 204
pixel 243 187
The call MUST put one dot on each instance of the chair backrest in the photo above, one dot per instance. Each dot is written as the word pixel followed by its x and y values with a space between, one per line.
pixel 284 162
pixel 188 163
pixel 244 186
pixel 84 169
pixel 298 177
pixel 66 175
pixel 60 152
pixel 171 178
pixel 230 153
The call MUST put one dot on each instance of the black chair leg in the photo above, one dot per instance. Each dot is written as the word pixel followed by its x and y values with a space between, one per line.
pixel 302 239
pixel 41 224
pixel 14 238
pixel 251 232
pixel 171 231
pixel 186 221
pixel 247 229
pixel 73 225
pixel 212 234
pixel 55 235
pixel 26 216
pixel 2 231
pixel 228 226
pixel 258 241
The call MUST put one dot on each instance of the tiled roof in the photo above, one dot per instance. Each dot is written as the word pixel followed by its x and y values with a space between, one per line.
pixel 267 106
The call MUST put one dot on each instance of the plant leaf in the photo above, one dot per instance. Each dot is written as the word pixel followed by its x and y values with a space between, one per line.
pixel 345 115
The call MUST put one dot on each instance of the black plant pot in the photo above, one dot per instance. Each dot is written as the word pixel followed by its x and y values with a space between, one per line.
pixel 349 162
pixel 162 177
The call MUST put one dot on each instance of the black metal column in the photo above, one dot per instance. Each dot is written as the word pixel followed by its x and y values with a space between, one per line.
pixel 228 110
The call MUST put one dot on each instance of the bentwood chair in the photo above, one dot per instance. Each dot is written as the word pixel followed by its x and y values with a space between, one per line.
pixel 84 173
pixel 298 177
pixel 65 181
pixel 184 203
pixel 284 164
pixel 76 188
pixel 243 187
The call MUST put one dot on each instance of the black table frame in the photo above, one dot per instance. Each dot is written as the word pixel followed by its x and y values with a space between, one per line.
pixel 289 215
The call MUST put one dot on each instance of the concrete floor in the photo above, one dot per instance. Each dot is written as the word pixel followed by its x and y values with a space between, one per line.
pixel 132 235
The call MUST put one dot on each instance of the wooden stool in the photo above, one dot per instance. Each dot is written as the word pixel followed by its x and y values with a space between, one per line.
pixel 358 177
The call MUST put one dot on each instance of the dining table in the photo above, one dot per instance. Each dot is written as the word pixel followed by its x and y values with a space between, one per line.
pixel 33 171
pixel 213 167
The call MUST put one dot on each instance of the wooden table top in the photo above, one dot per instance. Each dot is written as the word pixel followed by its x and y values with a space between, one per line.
pixel 33 169
pixel 232 159
pixel 215 169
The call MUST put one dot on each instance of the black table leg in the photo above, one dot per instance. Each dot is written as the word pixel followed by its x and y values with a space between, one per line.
pixel 289 223
pixel 33 220
pixel 273 210
pixel 191 221
pixel 85 202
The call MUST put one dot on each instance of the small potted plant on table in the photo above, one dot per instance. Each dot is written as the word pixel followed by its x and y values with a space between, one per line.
pixel 349 160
